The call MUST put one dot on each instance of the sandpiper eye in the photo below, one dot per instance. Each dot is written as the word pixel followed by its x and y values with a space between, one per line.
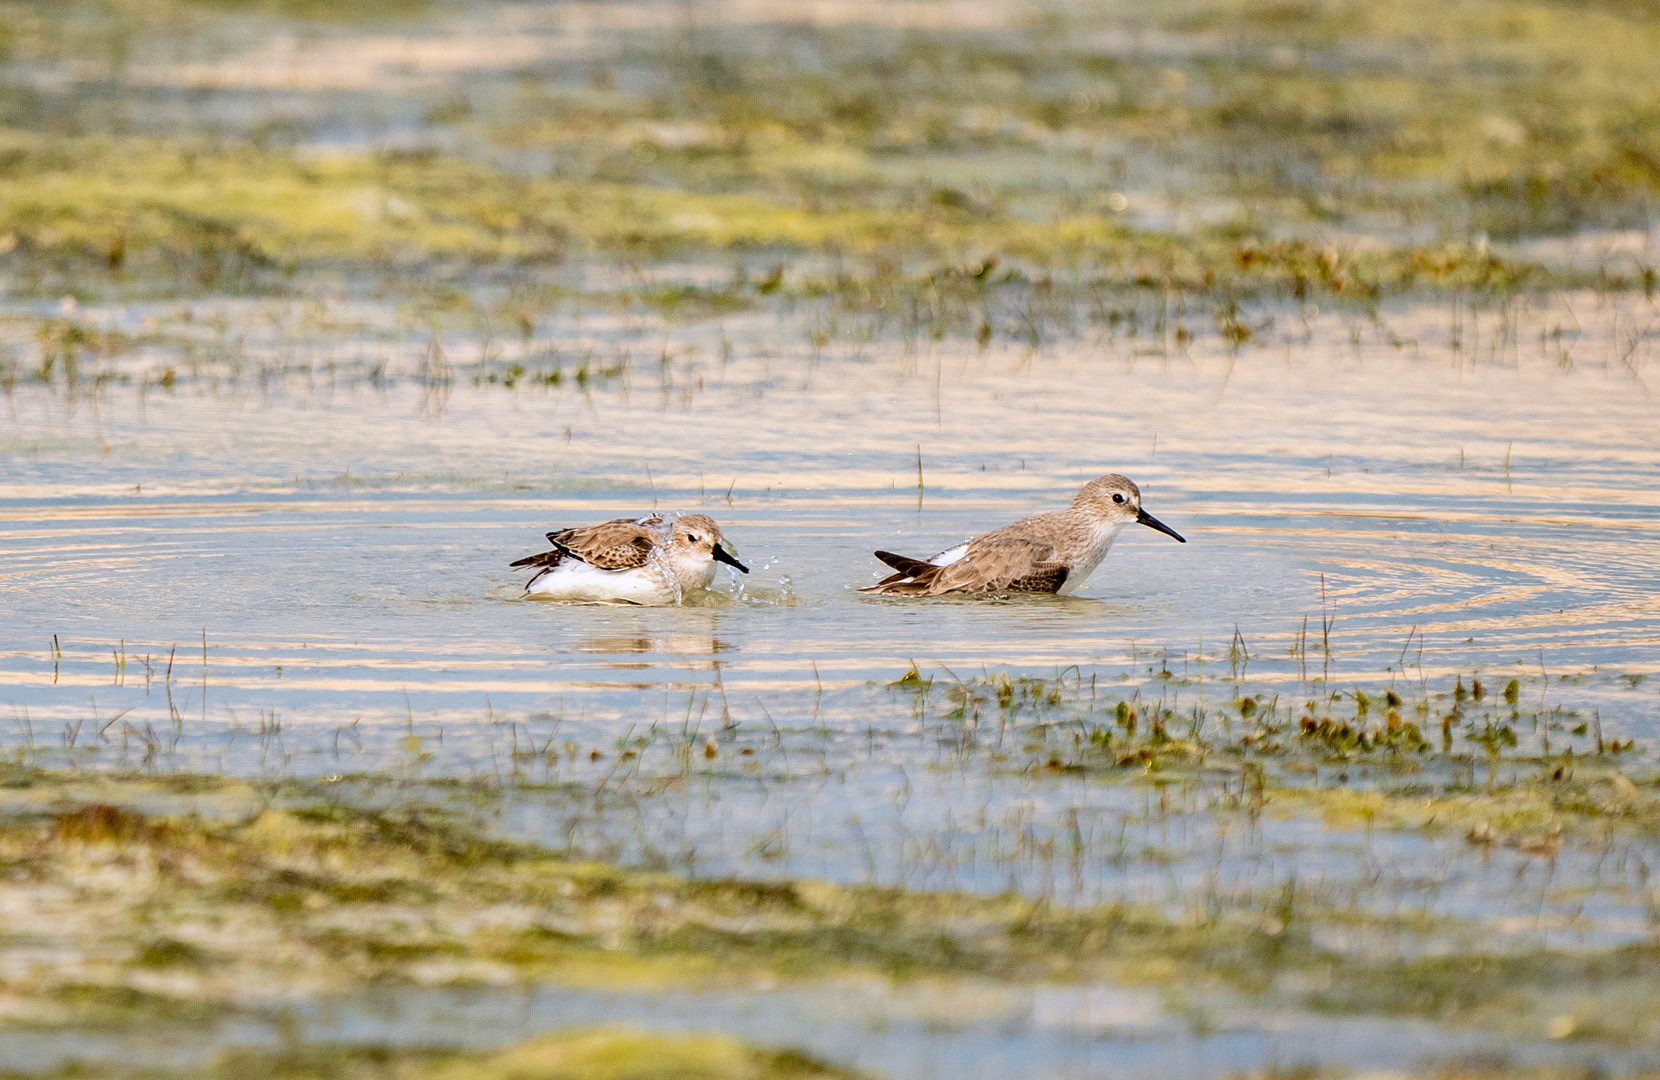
pixel 692 538
pixel 1117 498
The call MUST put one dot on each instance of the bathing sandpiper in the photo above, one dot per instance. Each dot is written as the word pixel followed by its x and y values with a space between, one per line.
pixel 650 560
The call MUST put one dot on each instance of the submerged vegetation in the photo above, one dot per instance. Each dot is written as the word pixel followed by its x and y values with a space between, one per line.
pixel 148 884
pixel 153 915
pixel 1397 758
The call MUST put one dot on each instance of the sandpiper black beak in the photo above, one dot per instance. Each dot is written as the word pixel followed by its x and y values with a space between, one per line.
pixel 1142 517
pixel 722 555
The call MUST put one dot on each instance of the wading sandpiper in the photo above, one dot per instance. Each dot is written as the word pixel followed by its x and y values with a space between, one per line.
pixel 1049 553
pixel 647 560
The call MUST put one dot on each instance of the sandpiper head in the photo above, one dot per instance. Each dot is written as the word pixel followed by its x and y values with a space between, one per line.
pixel 695 546
pixel 1116 500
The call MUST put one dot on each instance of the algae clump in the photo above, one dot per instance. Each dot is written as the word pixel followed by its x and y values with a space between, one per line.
pixel 621 1054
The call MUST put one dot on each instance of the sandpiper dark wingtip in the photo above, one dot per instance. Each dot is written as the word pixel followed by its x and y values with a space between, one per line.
pixel 904 563
pixel 911 577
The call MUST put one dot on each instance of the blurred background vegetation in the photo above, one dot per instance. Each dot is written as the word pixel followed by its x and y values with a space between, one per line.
pixel 1230 148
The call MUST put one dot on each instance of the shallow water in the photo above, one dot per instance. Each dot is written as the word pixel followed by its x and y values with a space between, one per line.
pixel 338 524
pixel 330 506
pixel 272 539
